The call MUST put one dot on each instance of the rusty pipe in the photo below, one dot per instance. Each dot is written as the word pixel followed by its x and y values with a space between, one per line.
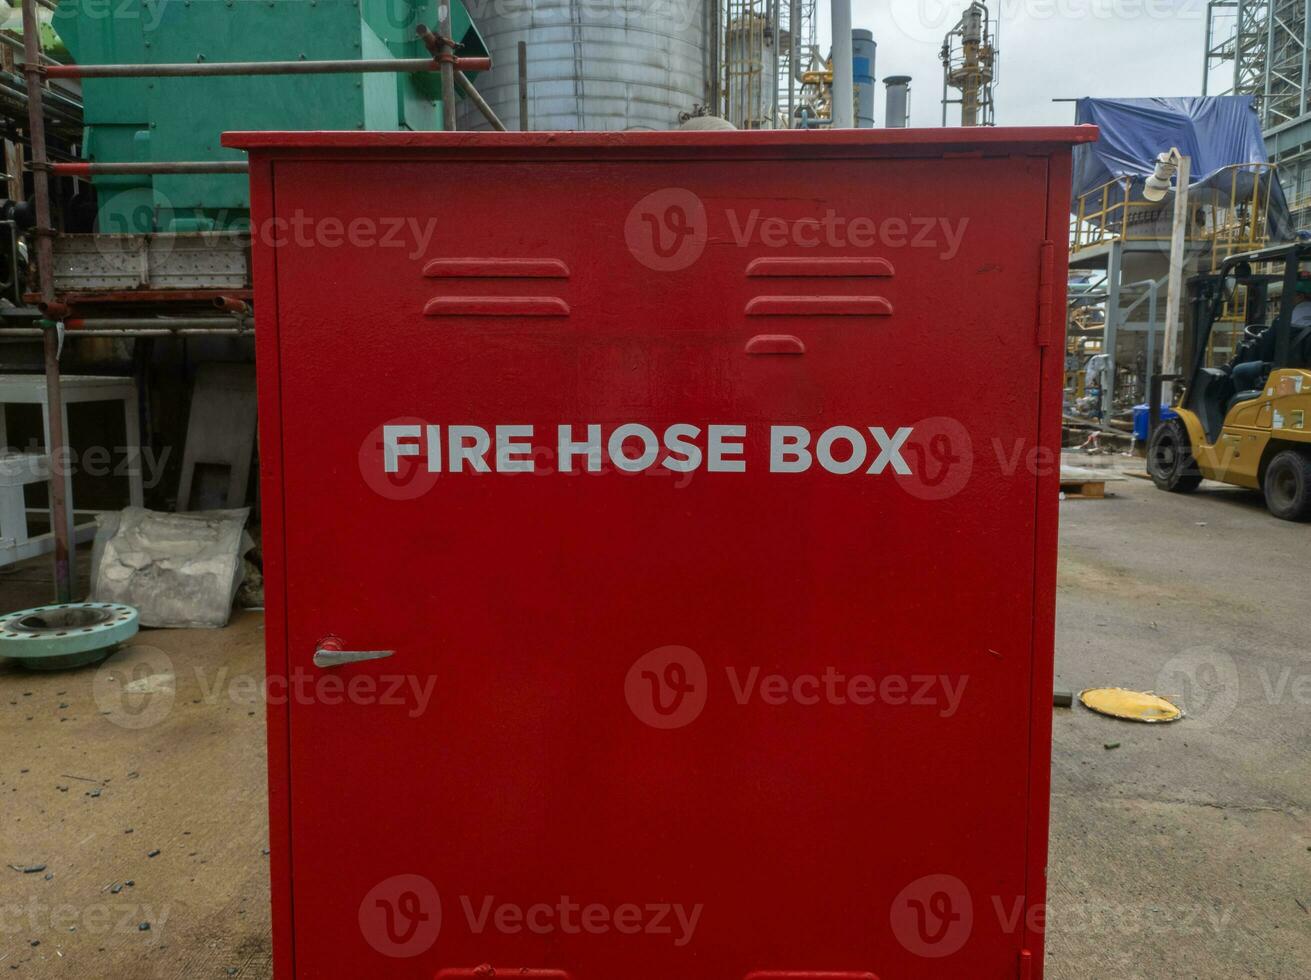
pixel 137 332
pixel 53 309
pixel 45 264
pixel 212 68
pixel 87 170
pixel 229 305
pixel 113 326
pixel 466 86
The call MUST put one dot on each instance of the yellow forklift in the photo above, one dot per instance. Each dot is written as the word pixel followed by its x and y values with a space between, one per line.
pixel 1247 422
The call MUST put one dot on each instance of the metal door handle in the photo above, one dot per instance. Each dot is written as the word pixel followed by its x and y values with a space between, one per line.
pixel 330 654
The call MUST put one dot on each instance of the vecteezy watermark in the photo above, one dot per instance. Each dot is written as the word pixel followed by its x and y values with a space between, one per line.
pixel 137 688
pixel 1206 683
pixel 941 459
pixel 358 232
pixel 662 16
pixel 669 16
pixel 38 917
pixel 929 20
pixel 124 462
pixel 667 230
pixel 149 15
pixel 833 687
pixel 407 234
pixel 1203 681
pixel 674 920
pixel 934 917
pixel 401 917
pixel 668 688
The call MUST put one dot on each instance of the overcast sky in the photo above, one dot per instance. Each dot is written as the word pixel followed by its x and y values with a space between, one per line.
pixel 1047 49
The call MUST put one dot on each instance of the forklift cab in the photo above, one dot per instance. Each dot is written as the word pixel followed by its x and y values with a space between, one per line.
pixel 1246 422
pixel 1275 335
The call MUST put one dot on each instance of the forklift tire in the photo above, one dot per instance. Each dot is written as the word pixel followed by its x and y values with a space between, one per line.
pixel 1170 458
pixel 1287 486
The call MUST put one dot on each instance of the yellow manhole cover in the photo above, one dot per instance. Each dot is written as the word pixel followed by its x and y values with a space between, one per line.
pixel 1130 705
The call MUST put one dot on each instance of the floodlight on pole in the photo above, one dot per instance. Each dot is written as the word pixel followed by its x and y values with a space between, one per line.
pixel 1158 184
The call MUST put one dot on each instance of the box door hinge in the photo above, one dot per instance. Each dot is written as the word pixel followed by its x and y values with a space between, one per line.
pixel 1046 259
pixel 1026 965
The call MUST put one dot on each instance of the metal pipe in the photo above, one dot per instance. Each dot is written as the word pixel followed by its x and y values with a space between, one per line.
pixel 523 86
pixel 116 325
pixel 774 25
pixel 467 87
pixel 56 103
pixel 844 104
pixel 794 56
pixel 1175 286
pixel 17 45
pixel 447 67
pixel 210 68
pixel 85 170
pixel 21 332
pixel 230 305
pixel 1306 56
pixel 45 263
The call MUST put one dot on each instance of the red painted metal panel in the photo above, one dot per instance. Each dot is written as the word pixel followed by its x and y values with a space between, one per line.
pixel 699 703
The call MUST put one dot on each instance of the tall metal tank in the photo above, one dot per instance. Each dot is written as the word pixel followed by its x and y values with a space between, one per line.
pixel 595 64
pixel 863 49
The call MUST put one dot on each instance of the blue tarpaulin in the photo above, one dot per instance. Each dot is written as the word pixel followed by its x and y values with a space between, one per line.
pixel 1215 132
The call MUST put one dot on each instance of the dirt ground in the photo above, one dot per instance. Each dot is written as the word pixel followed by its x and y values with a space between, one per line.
pixel 95 777
pixel 1183 852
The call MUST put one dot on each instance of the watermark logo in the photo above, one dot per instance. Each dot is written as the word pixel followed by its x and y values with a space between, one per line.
pixel 930 20
pixel 666 231
pixel 667 687
pixel 832 687
pixel 675 921
pixel 135 688
pixel 103 918
pixel 1203 681
pixel 389 468
pixel 402 916
pixel 933 916
pixel 941 457
pixel 663 16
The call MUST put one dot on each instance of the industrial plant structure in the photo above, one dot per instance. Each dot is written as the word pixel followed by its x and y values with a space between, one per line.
pixel 126 222
pixel 1262 48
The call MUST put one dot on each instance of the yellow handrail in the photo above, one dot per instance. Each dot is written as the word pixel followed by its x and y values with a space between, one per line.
pixel 1218 217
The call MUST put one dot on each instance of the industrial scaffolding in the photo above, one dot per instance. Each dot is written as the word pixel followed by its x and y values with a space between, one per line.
pixel 1259 48
pixel 1262 48
pixel 798 52
pixel 770 50
pixel 52 320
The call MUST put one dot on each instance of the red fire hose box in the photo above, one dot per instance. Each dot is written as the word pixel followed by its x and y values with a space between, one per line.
pixel 660 542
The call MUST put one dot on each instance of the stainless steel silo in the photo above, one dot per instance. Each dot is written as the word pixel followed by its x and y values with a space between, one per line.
pixel 595 64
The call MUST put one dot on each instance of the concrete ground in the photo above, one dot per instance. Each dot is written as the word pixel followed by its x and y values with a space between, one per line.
pixel 1185 852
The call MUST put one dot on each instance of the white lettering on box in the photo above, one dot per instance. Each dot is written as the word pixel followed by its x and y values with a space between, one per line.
pixel 635 447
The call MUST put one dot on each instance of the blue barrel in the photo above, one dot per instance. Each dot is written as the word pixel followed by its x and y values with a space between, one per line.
pixel 1142 417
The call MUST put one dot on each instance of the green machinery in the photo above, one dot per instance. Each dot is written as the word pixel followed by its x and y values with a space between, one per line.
pixel 136 120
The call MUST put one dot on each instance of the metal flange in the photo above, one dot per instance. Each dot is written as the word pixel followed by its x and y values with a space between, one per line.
pixel 70 634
